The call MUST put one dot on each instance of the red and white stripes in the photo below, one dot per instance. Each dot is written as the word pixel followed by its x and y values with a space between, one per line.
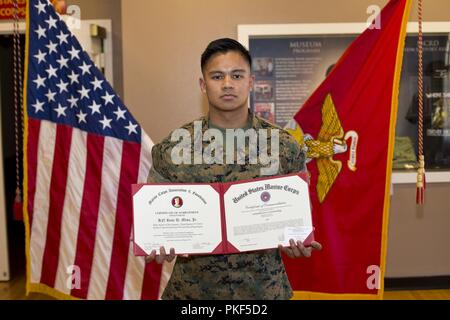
pixel 80 213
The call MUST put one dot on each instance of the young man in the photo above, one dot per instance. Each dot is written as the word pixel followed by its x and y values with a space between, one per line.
pixel 227 82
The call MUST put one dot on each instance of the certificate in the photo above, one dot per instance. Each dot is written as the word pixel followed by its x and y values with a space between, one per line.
pixel 222 218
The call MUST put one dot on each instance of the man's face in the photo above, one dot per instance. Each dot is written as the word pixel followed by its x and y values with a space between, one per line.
pixel 227 81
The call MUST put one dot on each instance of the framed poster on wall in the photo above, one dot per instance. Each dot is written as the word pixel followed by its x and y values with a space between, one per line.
pixel 291 60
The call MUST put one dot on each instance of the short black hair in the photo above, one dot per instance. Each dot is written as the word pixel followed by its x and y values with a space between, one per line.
pixel 223 46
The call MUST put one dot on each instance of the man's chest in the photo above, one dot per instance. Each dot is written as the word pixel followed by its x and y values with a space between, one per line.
pixel 211 173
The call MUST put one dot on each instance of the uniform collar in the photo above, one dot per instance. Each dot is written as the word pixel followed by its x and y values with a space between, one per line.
pixel 252 121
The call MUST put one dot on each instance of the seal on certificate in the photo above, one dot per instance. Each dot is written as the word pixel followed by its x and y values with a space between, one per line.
pixel 265 196
pixel 177 202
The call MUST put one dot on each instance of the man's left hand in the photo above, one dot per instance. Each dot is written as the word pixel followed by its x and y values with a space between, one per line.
pixel 298 250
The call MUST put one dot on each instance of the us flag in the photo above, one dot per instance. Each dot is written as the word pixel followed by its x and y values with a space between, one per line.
pixel 83 150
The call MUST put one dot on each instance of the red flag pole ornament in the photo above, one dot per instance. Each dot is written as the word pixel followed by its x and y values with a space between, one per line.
pixel 421 183
pixel 18 203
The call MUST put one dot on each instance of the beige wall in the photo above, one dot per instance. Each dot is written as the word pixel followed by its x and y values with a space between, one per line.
pixel 107 9
pixel 163 40
pixel 419 237
pixel 162 43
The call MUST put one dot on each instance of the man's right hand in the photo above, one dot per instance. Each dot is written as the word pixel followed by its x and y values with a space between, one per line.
pixel 161 257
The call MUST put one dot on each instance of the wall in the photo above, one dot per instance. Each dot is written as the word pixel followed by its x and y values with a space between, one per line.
pixel 107 9
pixel 419 237
pixel 162 43
pixel 163 40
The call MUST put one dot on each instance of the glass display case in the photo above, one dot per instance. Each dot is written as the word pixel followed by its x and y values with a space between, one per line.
pixel 290 61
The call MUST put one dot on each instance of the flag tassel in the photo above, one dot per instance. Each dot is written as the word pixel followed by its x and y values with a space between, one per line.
pixel 18 118
pixel 420 186
pixel 18 206
pixel 421 182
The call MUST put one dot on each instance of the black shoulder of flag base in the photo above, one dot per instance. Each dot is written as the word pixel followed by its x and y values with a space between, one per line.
pixel 224 309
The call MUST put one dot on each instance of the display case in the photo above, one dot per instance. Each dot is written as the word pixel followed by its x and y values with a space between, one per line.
pixel 291 60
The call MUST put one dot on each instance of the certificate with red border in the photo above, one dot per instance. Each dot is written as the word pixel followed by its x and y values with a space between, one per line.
pixel 222 218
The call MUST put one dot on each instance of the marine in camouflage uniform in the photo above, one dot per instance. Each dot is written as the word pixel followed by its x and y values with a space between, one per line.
pixel 254 275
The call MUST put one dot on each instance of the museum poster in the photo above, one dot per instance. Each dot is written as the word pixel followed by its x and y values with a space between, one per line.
pixel 288 69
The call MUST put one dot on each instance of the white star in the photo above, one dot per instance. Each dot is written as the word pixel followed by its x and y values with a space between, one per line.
pixel 85 67
pixel 108 98
pixel 106 122
pixel 73 101
pixel 50 95
pixel 120 113
pixel 40 7
pixel 74 53
pixel 84 92
pixel 60 110
pixel 97 84
pixel 62 86
pixel 73 77
pixel 38 106
pixel 95 108
pixel 62 62
pixel 131 128
pixel 81 117
pixel 51 47
pixel 51 72
pixel 40 56
pixel 39 82
pixel 51 23
pixel 40 32
pixel 62 37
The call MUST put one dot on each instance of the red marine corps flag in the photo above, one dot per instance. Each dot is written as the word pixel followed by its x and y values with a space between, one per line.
pixel 347 128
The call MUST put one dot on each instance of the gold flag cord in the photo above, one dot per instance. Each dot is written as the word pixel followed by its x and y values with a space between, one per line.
pixel 420 190
pixel 17 102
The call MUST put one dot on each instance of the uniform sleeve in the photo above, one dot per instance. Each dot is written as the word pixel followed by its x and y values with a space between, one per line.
pixel 155 175
pixel 292 156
